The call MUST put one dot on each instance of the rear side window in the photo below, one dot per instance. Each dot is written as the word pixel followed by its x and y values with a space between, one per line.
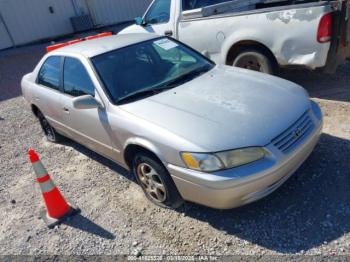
pixel 76 80
pixel 50 73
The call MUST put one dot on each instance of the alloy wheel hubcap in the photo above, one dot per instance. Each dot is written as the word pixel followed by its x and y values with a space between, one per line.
pixel 250 63
pixel 151 182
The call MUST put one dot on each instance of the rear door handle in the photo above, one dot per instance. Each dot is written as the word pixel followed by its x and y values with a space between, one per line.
pixel 66 110
pixel 168 33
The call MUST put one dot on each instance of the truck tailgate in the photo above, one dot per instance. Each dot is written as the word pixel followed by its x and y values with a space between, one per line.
pixel 344 29
pixel 340 46
pixel 347 22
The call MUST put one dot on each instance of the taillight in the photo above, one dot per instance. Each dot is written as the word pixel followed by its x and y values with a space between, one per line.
pixel 324 33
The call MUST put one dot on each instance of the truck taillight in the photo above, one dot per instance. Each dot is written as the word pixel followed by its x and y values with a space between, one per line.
pixel 324 33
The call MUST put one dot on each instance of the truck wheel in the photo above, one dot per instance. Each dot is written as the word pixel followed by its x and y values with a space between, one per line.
pixel 155 181
pixel 256 60
pixel 49 131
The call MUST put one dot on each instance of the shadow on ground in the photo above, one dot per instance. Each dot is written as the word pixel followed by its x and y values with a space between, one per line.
pixel 325 86
pixel 84 224
pixel 98 158
pixel 14 64
pixel 313 207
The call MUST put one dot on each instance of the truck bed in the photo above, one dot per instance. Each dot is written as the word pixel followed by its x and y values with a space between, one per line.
pixel 339 48
pixel 237 6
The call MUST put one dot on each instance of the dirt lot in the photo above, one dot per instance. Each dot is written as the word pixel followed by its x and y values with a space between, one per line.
pixel 308 215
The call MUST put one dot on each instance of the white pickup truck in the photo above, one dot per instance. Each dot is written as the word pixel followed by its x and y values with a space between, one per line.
pixel 256 34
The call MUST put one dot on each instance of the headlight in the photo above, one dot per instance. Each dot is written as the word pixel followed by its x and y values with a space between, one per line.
pixel 241 156
pixel 222 160
pixel 202 162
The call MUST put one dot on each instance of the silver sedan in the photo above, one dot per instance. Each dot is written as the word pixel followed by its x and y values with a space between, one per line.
pixel 187 128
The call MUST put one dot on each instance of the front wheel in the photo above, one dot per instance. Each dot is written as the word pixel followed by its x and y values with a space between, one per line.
pixel 256 60
pixel 155 181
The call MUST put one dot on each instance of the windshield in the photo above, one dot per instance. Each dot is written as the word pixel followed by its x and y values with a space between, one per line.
pixel 147 68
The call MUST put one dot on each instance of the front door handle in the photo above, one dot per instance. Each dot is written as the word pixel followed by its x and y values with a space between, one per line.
pixel 168 33
pixel 66 110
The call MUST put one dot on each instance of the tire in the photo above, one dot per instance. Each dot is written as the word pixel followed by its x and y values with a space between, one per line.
pixel 50 133
pixel 256 60
pixel 155 181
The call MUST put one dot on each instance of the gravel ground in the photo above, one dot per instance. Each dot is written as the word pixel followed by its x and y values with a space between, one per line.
pixel 308 215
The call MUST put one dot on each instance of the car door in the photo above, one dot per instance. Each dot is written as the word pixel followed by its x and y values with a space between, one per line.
pixel 89 127
pixel 159 19
pixel 47 91
pixel 204 35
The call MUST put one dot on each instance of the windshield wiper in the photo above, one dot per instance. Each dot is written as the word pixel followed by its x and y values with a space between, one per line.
pixel 143 93
pixel 170 85
pixel 186 77
pixel 137 95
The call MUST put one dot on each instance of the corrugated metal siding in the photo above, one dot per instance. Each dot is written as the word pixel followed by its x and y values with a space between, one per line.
pixel 81 7
pixel 30 20
pixel 5 40
pixel 108 12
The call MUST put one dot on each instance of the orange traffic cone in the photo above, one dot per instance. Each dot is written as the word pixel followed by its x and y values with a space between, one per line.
pixel 57 209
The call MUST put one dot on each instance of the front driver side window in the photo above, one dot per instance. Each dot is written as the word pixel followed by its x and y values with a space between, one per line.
pixel 159 12
pixel 76 80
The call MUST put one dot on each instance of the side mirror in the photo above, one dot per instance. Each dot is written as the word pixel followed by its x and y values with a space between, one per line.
pixel 86 102
pixel 139 21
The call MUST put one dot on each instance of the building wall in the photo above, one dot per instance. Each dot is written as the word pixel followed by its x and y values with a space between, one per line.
pixel 5 39
pixel 108 12
pixel 30 20
pixel 25 21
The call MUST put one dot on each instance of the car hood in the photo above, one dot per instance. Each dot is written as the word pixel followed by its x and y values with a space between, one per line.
pixel 226 108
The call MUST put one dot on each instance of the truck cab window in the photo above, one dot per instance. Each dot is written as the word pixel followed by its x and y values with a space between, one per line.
pixel 193 4
pixel 159 12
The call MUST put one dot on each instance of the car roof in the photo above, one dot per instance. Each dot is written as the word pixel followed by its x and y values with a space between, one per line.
pixel 91 48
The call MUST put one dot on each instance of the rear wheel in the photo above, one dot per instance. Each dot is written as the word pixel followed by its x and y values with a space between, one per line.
pixel 155 181
pixel 256 60
pixel 49 131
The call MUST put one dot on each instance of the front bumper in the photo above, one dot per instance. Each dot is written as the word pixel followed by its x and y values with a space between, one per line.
pixel 242 185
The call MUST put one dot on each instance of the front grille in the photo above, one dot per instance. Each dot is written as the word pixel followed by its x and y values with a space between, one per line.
pixel 298 131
